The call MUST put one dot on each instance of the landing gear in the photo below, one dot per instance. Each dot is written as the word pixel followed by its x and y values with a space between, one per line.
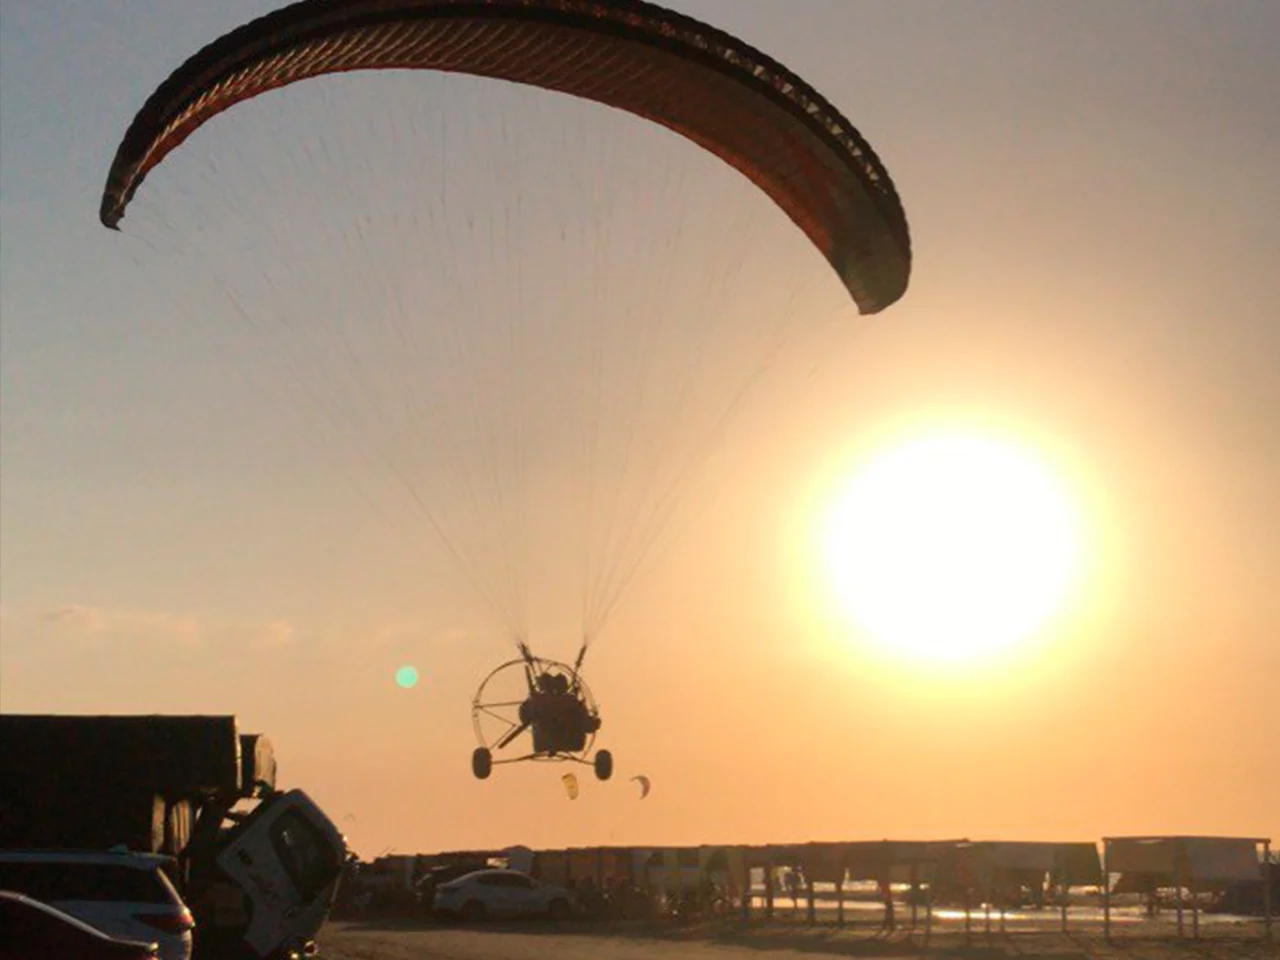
pixel 481 763
pixel 604 764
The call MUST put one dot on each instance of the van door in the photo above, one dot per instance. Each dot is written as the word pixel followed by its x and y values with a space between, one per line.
pixel 286 859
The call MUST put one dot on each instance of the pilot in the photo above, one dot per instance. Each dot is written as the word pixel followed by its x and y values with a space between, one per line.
pixel 560 718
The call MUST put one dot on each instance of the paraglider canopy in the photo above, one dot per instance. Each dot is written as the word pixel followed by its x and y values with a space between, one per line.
pixel 644 784
pixel 701 82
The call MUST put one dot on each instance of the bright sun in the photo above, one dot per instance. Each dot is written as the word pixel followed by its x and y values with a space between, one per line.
pixel 953 547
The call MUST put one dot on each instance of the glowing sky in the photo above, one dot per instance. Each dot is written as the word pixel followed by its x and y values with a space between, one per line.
pixel 1095 213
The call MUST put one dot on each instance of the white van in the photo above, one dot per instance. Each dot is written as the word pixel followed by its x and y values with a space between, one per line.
pixel 277 875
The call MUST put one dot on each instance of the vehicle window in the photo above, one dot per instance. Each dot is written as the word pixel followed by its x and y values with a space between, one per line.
pixel 38 922
pixel 307 856
pixel 506 880
pixel 84 881
pixel 32 922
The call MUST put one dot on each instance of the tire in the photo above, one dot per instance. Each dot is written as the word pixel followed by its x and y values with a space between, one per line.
pixel 604 764
pixel 558 909
pixel 481 764
pixel 473 911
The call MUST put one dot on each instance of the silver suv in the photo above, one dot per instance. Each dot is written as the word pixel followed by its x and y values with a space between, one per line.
pixel 119 892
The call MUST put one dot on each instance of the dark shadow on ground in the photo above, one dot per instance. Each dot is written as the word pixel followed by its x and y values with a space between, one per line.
pixel 848 941
pixel 867 940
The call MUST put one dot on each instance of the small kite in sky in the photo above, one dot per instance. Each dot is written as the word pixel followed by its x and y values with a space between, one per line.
pixel 570 785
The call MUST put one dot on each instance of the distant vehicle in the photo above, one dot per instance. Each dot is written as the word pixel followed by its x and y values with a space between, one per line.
pixel 435 877
pixel 37 931
pixel 120 893
pixel 501 893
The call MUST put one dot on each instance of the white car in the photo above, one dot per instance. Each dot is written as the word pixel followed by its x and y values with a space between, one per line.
pixel 501 893
pixel 121 893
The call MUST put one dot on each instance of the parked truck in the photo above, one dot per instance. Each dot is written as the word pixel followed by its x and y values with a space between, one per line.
pixel 258 866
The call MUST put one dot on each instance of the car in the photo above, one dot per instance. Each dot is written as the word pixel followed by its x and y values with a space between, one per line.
pixel 119 892
pixel 37 931
pixel 482 894
pixel 425 886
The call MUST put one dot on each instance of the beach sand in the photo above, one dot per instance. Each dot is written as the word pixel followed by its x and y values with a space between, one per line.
pixel 1156 940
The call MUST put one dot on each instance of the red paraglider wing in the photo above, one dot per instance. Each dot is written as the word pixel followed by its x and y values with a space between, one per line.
pixel 675 71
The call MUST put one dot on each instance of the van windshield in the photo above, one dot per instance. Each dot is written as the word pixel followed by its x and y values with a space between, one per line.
pixel 307 855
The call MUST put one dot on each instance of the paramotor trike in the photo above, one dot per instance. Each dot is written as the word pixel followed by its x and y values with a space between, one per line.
pixel 550 702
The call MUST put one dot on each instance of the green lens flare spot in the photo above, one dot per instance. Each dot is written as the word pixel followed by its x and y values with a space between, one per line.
pixel 407 677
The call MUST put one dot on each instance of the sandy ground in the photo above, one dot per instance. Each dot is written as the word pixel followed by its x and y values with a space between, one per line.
pixel 392 940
